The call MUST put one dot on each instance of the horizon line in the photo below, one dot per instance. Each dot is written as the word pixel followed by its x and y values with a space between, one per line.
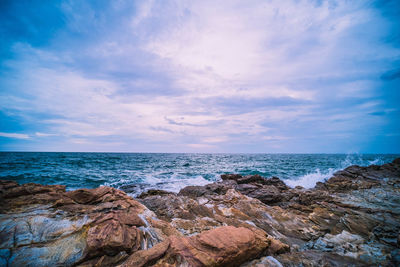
pixel 276 153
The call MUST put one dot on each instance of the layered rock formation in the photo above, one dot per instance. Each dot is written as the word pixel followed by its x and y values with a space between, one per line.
pixel 353 219
pixel 47 226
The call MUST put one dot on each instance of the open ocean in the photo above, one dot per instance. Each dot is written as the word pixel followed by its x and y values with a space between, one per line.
pixel 171 171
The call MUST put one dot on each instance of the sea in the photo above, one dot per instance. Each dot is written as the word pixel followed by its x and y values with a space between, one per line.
pixel 169 171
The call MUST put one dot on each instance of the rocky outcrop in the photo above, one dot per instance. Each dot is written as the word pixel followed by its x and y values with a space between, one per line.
pixel 352 219
pixel 47 226
pixel 223 246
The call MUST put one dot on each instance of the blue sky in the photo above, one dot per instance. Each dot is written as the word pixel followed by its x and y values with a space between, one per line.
pixel 200 76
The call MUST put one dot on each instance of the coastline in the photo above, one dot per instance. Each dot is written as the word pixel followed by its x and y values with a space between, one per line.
pixel 352 219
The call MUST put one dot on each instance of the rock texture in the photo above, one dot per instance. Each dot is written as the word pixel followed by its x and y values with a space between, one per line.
pixel 46 226
pixel 352 219
pixel 223 246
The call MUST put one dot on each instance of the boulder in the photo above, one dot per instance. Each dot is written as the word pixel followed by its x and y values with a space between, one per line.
pixel 222 246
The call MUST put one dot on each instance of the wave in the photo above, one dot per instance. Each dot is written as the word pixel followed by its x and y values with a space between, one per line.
pixel 171 183
pixel 174 185
pixel 310 179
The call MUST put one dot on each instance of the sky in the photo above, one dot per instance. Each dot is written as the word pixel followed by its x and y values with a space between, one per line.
pixel 254 76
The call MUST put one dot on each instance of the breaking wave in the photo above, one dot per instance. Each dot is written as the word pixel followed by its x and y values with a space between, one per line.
pixel 310 179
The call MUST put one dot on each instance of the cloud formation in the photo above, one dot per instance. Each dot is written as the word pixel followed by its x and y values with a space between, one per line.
pixel 200 76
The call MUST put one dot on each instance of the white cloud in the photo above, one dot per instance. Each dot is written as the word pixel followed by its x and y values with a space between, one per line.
pixel 39 134
pixel 178 73
pixel 14 135
pixel 227 46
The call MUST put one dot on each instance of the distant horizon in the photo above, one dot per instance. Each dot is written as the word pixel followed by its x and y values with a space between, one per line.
pixel 271 153
pixel 200 76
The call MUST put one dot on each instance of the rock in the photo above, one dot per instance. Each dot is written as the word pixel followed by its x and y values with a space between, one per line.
pixel 47 226
pixel 277 247
pixel 111 237
pixel 154 192
pixel 222 246
pixel 395 255
pixel 352 219
pixel 268 194
pixel 233 177
pixel 353 246
pixel 268 190
pixel 314 258
pixel 210 189
pixel 300 218
pixel 267 261
pixel 147 257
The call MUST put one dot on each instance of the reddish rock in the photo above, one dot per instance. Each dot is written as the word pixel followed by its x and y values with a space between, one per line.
pixel 147 257
pixel 223 246
pixel 277 247
pixel 52 227
pixel 111 237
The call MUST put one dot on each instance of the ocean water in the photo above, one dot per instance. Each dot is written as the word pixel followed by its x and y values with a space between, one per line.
pixel 171 171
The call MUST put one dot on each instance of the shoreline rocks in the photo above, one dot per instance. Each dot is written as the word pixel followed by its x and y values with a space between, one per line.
pixel 352 219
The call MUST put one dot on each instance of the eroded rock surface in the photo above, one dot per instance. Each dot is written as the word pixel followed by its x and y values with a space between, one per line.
pixel 46 226
pixel 222 246
pixel 353 219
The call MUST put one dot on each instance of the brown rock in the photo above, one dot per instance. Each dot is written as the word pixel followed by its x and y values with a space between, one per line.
pixel 268 194
pixel 92 227
pixel 277 247
pixel 147 257
pixel 154 192
pixel 234 177
pixel 223 246
pixel 111 237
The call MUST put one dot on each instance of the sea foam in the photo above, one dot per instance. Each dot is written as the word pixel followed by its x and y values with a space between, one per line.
pixel 310 179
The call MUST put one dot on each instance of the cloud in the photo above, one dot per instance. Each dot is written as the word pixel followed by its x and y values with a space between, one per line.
pixel 14 135
pixel 44 134
pixel 224 76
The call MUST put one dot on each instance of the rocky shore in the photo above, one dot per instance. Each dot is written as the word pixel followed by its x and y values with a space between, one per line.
pixel 352 219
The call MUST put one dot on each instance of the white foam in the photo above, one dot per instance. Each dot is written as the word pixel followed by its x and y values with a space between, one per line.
pixel 310 180
pixel 174 185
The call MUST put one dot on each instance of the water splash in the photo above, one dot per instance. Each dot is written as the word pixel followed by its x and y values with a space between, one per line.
pixel 310 179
